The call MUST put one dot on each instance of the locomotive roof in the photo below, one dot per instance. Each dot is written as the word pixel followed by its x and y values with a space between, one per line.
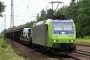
pixel 39 23
pixel 62 20
pixel 43 22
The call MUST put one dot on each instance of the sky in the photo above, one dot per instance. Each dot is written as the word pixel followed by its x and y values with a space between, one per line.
pixel 26 10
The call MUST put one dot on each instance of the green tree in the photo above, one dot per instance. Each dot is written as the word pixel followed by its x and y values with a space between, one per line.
pixel 38 17
pixel 2 8
pixel 49 14
pixel 42 16
pixel 84 18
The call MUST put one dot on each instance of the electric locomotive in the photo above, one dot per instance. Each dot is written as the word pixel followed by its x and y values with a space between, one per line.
pixel 56 35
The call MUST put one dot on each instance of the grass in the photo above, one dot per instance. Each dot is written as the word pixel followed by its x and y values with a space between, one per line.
pixel 3 44
pixel 8 53
pixel 83 41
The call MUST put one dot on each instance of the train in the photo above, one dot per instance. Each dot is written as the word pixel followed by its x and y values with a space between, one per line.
pixel 57 36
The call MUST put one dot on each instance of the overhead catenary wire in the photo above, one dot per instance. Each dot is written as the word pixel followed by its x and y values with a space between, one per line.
pixel 32 7
pixel 34 4
pixel 28 6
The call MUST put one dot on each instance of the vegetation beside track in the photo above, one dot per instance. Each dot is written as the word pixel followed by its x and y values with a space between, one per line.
pixel 8 53
pixel 83 41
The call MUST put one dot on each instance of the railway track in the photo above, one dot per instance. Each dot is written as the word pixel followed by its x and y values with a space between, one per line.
pixel 81 55
pixel 82 52
pixel 83 48
pixel 83 45
pixel 68 57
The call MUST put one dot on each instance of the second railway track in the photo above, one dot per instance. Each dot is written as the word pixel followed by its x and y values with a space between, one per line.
pixel 80 56
pixel 83 52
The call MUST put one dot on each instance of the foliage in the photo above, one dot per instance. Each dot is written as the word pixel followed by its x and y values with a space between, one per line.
pixel 27 25
pixel 86 37
pixel 8 54
pixel 44 15
pixel 49 14
pixel 84 19
pixel 0 36
pixel 2 8
pixel 3 43
pixel 83 41
pixel 20 54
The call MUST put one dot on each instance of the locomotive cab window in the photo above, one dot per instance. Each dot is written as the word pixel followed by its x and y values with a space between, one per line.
pixel 68 26
pixel 57 26
pixel 62 26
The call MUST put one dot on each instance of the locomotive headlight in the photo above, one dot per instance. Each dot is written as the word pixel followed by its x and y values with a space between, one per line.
pixel 71 40
pixel 55 40
pixel 63 32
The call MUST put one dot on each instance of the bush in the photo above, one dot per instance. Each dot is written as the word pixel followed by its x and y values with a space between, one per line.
pixel 0 36
pixel 19 53
pixel 3 43
pixel 86 37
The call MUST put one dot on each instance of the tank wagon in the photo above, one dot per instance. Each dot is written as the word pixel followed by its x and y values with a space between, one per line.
pixel 56 35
